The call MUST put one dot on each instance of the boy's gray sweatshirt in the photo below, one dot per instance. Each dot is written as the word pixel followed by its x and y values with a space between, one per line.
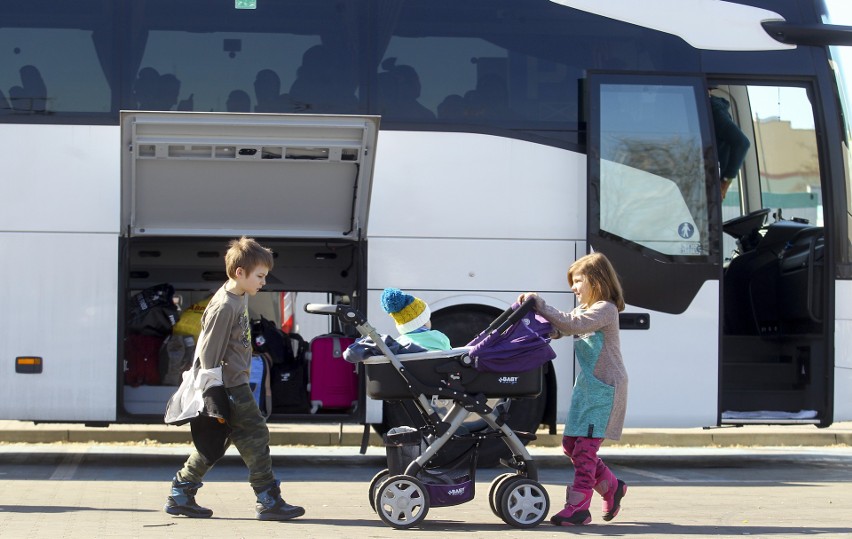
pixel 226 337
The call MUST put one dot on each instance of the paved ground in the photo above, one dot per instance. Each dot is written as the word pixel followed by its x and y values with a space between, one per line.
pixel 65 480
pixel 97 490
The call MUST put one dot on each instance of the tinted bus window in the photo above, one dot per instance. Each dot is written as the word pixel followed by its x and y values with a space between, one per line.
pixel 56 59
pixel 202 55
pixel 505 64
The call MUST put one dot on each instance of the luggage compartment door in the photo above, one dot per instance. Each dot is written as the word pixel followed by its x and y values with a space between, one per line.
pixel 264 175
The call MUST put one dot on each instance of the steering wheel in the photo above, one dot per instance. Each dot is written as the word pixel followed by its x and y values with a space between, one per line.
pixel 742 226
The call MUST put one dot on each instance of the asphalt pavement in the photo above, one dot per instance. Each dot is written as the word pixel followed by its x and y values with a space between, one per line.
pixel 78 490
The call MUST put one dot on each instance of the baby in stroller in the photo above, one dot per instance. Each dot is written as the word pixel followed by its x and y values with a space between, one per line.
pixel 504 361
pixel 413 320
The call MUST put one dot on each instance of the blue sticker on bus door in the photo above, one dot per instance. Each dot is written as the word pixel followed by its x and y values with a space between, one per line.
pixel 685 230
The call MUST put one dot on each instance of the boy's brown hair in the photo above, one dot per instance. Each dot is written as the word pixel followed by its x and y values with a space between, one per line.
pixel 601 277
pixel 248 254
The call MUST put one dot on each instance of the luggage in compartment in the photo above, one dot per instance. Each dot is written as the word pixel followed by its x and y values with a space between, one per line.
pixel 289 387
pixel 334 381
pixel 288 371
pixel 151 315
pixel 176 356
pixel 268 338
pixel 152 311
pixel 143 359
pixel 259 382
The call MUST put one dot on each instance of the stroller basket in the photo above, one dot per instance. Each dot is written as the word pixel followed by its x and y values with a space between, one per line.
pixel 452 483
pixel 437 369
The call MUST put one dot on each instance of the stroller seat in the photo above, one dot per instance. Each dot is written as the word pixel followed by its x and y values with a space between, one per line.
pixel 455 369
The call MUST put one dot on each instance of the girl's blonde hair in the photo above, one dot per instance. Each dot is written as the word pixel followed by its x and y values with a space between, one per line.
pixel 601 276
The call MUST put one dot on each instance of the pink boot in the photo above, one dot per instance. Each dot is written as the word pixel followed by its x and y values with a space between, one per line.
pixel 611 490
pixel 576 512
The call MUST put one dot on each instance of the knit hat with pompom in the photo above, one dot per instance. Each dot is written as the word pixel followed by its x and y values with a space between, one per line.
pixel 408 312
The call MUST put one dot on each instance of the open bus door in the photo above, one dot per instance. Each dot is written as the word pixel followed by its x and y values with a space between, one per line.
pixel 652 214
pixel 728 339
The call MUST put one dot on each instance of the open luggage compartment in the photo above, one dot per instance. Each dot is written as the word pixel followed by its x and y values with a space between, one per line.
pixel 191 182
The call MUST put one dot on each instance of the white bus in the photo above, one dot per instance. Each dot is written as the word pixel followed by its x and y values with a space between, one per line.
pixel 462 150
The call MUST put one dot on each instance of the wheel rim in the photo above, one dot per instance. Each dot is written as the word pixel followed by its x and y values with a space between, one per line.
pixel 402 501
pixel 494 492
pixel 524 504
pixel 377 480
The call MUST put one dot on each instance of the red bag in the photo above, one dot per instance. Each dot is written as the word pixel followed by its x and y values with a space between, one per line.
pixel 143 360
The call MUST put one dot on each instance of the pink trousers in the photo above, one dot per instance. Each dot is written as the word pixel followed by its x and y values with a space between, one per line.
pixel 589 469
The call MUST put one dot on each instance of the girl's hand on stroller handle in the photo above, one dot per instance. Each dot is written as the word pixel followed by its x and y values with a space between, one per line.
pixel 526 298
pixel 511 315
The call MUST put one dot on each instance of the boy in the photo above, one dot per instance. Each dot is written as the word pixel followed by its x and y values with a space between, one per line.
pixel 225 340
pixel 412 317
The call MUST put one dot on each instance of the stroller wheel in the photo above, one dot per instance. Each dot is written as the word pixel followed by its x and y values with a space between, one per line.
pixel 523 503
pixel 402 501
pixel 494 492
pixel 375 483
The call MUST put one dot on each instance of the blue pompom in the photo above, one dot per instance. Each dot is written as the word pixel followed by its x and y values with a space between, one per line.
pixel 395 300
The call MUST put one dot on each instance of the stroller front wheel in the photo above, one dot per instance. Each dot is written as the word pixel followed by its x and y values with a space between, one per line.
pixel 402 501
pixel 524 503
pixel 377 480
pixel 494 493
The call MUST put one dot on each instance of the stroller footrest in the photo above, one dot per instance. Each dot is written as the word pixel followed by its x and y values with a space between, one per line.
pixel 528 436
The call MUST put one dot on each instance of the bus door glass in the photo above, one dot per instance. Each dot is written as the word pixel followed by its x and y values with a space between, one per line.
pixel 653 210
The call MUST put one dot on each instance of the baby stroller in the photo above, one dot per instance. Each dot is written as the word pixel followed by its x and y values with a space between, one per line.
pixel 504 361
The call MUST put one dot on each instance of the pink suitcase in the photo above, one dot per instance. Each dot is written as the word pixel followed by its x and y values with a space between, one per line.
pixel 333 380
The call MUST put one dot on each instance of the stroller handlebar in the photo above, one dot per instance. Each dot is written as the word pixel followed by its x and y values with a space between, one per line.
pixel 510 316
pixel 345 313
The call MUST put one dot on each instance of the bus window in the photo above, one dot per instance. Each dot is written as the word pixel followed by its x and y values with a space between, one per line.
pixel 653 188
pixel 499 64
pixel 57 60
pixel 297 56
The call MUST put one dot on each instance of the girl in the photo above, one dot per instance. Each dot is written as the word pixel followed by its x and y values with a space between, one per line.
pixel 600 392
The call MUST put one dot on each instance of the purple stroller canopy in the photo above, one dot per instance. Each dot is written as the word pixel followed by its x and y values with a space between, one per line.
pixel 524 346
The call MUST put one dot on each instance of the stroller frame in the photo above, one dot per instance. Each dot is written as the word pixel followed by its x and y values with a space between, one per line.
pixel 403 501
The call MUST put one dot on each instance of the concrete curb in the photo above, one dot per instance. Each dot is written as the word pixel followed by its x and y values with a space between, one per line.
pixel 336 435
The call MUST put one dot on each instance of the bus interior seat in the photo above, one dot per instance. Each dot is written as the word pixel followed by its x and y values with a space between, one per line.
pixel 770 294
pixel 801 281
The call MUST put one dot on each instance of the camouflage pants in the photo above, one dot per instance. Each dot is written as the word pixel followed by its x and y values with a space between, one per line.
pixel 250 436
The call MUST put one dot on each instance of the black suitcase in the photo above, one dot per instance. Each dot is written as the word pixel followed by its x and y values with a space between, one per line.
pixel 289 381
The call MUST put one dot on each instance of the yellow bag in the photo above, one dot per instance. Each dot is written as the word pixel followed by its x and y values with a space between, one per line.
pixel 190 320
